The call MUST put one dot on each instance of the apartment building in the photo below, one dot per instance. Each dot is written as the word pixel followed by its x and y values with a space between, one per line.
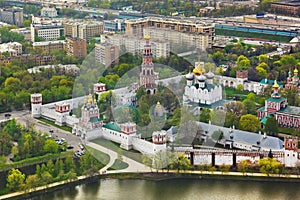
pixel 286 7
pixel 107 54
pixel 83 30
pixel 116 25
pixel 135 45
pixel 12 16
pixel 49 30
pixel 12 48
pixel 76 47
pixel 49 12
pixel 48 46
pixel 188 30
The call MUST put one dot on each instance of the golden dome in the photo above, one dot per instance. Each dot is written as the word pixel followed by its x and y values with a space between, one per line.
pixel 147 37
pixel 275 84
pixel 296 70
pixel 198 70
pixel 158 103
pixel 95 101
pixel 90 98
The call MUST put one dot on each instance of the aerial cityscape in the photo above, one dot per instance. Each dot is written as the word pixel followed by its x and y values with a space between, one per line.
pixel 149 99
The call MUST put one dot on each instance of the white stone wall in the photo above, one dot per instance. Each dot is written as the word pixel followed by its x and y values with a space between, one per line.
pixel 223 159
pixel 143 146
pixel 202 159
pixel 290 158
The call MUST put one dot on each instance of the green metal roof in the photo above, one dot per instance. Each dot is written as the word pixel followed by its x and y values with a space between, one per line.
pixel 94 120
pixel 112 126
pixel 276 99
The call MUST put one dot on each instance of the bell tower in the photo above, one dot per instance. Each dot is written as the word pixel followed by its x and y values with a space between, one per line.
pixel 147 75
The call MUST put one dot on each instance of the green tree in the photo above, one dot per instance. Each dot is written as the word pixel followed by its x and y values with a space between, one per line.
pixel 240 87
pixel 243 62
pixel 271 126
pixel 244 166
pixel 250 123
pixel 250 106
pixel 147 160
pixel 46 178
pixel 32 181
pixel 180 162
pixel 15 180
pixel 269 166
pixel 205 115
pixel 50 146
pixel 5 143
pixel 236 107
pixel 12 84
pixel 69 164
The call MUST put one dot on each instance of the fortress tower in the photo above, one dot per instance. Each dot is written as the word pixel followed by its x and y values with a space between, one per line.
pixel 290 151
pixel 36 104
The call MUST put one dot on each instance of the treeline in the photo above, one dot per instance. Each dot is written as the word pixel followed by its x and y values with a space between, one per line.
pixel 23 142
pixel 53 171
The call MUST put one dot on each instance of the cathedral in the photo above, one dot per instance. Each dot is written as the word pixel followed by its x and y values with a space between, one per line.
pixel 292 81
pixel 148 76
pixel 277 106
pixel 200 87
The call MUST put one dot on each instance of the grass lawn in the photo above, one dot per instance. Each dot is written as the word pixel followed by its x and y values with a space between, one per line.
pixel 288 131
pixel 118 164
pixel 134 155
pixel 103 158
pixel 65 128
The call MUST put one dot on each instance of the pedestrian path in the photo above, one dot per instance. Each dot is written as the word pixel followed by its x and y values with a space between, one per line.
pixel 133 166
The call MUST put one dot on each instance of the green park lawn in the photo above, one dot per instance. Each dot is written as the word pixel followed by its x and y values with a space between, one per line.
pixel 134 155
pixel 103 158
pixel 118 165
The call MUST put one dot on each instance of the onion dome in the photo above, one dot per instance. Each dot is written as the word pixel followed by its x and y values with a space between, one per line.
pixel 290 73
pixel 147 37
pixel 201 78
pixel 275 86
pixel 189 76
pixel 210 75
pixel 296 70
pixel 198 70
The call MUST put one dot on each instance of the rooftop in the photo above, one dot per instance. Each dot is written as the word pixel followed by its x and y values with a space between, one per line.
pixel 112 126
pixel 245 137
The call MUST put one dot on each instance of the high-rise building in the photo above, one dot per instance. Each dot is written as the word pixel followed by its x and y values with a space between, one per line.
pixel 83 30
pixel 148 76
pixel 178 31
pixel 12 16
pixel 107 54
pixel 76 47
pixel 135 45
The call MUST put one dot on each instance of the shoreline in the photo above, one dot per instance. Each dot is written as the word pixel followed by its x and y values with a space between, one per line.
pixel 151 176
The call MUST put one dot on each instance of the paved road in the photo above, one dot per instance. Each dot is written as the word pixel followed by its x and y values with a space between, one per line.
pixel 133 166
pixel 24 118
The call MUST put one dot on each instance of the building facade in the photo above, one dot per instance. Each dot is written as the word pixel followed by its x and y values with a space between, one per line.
pixel 12 48
pixel 76 47
pixel 107 54
pixel 83 30
pixel 277 106
pixel 116 25
pixel 49 12
pixel 148 76
pixel 135 45
pixel 12 16
pixel 286 7
pixel 48 46
pixel 47 31
pixel 191 28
